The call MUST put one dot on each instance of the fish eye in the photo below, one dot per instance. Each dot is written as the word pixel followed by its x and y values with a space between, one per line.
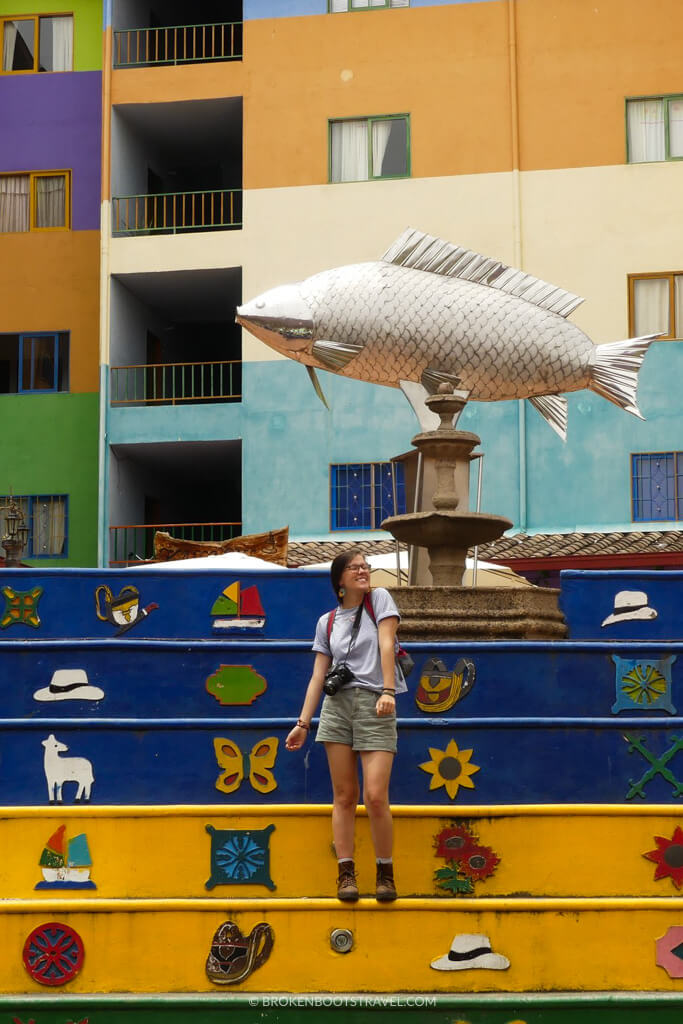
pixel 260 304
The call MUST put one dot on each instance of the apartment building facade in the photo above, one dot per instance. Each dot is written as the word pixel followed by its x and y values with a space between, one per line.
pixel 50 160
pixel 246 145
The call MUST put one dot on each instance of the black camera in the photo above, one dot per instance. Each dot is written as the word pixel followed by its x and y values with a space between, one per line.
pixel 336 677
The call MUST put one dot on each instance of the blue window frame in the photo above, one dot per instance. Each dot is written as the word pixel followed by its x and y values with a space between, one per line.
pixel 657 486
pixel 34 363
pixel 47 517
pixel 362 494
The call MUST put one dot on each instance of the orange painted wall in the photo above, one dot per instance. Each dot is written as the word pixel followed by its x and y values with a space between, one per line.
pixel 50 282
pixel 578 61
pixel 448 67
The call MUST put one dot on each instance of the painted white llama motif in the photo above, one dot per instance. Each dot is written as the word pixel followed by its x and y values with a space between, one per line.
pixel 59 770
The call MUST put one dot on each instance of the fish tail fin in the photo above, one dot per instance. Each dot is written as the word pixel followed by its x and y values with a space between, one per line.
pixel 553 409
pixel 614 371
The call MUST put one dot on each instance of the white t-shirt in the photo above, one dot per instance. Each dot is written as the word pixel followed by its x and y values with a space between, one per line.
pixel 364 660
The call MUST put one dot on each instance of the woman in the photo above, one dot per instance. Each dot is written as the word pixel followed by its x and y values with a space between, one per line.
pixel 360 718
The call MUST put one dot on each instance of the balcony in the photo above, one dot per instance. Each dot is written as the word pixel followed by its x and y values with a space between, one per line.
pixel 176 167
pixel 177 44
pixel 190 489
pixel 134 543
pixel 177 212
pixel 173 383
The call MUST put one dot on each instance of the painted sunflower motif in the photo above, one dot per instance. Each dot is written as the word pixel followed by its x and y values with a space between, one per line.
pixel 450 768
pixel 668 857
pixel 479 862
pixel 643 684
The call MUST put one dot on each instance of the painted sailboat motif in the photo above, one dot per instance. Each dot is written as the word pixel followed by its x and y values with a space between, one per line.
pixel 66 863
pixel 235 608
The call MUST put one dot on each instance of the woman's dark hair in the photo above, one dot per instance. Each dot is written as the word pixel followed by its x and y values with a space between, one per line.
pixel 338 566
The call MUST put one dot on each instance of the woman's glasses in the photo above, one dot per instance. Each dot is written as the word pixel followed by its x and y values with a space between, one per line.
pixel 355 569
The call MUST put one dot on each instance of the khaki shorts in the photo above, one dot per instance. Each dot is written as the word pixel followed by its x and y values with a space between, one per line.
pixel 350 717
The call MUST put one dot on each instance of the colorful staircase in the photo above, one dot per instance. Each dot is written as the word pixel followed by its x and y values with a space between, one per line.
pixel 188 866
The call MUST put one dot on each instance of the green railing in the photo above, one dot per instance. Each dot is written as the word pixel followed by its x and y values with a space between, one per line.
pixel 135 542
pixel 173 383
pixel 174 212
pixel 177 44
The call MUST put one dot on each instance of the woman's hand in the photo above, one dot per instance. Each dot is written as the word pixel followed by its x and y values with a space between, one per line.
pixel 386 705
pixel 296 738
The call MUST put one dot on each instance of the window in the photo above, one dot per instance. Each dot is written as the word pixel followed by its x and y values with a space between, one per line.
pixel 36 43
pixel 657 486
pixel 655 304
pixel 362 494
pixel 654 129
pixel 46 516
pixel 369 148
pixel 38 201
pixel 36 362
pixel 337 6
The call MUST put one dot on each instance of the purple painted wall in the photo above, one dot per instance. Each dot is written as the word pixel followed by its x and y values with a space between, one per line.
pixel 54 122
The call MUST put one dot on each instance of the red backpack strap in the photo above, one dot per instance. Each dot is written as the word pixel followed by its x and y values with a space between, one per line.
pixel 367 601
pixel 330 624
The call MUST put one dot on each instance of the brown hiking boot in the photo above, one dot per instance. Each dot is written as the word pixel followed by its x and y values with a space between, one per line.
pixel 347 887
pixel 386 890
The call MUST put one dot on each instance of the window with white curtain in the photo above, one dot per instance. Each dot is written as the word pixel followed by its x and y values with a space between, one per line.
pixel 363 149
pixel 37 43
pixel 47 517
pixel 654 129
pixel 338 6
pixel 656 304
pixel 35 201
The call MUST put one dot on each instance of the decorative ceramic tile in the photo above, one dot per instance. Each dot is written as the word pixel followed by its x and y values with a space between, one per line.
pixel 240 856
pixel 467 861
pixel 238 610
pixel 256 765
pixel 59 770
pixel 235 685
pixel 658 765
pixel 450 768
pixel 66 863
pixel 233 957
pixel 668 857
pixel 643 685
pixel 53 954
pixel 123 611
pixel 438 689
pixel 21 606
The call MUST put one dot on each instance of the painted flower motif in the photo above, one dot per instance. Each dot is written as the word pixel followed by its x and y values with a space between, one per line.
pixel 668 857
pixel 644 684
pixel 479 862
pixel 453 842
pixel 450 768
pixel 240 857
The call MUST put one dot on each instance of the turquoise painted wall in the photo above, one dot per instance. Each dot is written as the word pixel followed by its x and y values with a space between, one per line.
pixel 50 446
pixel 87 27
pixel 289 440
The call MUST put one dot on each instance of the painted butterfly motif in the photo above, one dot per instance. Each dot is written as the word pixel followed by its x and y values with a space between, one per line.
pixel 256 765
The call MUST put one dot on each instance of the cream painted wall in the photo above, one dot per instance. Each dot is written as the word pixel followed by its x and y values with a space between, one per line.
pixel 581 229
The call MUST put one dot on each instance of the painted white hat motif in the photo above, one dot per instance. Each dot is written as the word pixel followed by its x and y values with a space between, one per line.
pixel 468 952
pixel 630 604
pixel 69 684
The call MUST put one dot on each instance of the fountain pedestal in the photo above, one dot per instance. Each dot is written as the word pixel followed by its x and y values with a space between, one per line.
pixel 447 610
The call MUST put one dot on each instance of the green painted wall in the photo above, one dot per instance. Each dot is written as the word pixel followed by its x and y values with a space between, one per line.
pixel 87 27
pixel 49 445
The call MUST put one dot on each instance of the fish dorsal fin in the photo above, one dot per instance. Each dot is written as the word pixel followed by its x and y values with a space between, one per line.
pixel 419 251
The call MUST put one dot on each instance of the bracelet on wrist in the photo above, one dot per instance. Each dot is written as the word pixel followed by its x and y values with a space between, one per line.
pixel 303 725
pixel 390 693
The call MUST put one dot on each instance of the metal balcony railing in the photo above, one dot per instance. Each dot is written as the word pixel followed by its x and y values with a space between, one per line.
pixel 133 543
pixel 173 212
pixel 173 383
pixel 177 44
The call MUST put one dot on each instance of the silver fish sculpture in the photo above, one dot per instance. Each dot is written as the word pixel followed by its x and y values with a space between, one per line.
pixel 429 312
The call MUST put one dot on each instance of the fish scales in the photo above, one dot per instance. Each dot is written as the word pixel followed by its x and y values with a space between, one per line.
pixel 407 321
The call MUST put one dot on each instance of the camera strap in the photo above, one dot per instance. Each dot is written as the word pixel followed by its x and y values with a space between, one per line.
pixel 354 630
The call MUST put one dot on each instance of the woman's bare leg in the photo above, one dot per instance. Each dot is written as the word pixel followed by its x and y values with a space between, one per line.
pixel 343 764
pixel 377 766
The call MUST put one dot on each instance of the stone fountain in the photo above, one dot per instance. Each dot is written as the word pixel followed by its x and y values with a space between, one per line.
pixel 446 610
